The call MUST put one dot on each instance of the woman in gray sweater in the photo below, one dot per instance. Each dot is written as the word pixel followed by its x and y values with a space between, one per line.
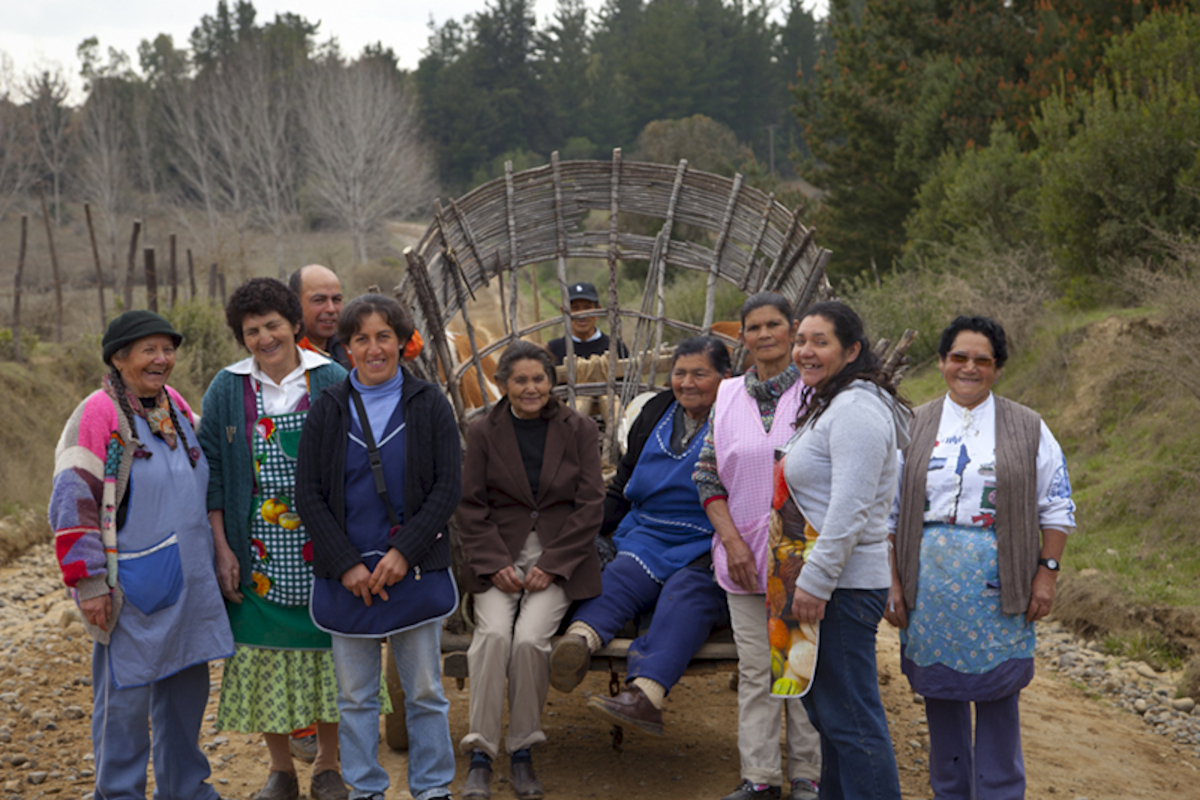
pixel 841 470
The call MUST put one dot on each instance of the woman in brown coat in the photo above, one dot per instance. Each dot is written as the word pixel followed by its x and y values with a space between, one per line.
pixel 533 501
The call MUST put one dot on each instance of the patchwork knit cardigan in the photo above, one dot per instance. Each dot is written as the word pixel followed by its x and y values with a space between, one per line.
pixel 91 475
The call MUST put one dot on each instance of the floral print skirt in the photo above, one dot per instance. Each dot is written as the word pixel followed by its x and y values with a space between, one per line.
pixel 958 625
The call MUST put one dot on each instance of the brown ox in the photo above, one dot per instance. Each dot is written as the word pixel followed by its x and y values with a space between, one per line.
pixel 472 393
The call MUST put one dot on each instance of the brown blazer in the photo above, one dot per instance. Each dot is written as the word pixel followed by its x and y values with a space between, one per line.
pixel 498 509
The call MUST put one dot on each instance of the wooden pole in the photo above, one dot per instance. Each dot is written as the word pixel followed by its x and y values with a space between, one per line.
pixel 173 274
pixel 58 298
pixel 132 263
pixel 212 282
pixel 87 210
pixel 191 276
pixel 151 279
pixel 16 324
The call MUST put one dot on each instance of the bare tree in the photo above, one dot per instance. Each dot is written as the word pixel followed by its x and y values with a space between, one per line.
pixel 191 156
pixel 366 159
pixel 104 137
pixel 16 156
pixel 46 90
pixel 267 114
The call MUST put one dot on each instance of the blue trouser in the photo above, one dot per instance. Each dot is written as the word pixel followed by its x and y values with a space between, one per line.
pixel 987 765
pixel 122 723
pixel 686 609
pixel 418 657
pixel 857 761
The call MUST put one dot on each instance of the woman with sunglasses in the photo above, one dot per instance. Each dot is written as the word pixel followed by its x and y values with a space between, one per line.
pixel 982 518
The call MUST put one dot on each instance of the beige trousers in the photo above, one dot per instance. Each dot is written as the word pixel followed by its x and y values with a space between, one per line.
pixel 511 650
pixel 758 711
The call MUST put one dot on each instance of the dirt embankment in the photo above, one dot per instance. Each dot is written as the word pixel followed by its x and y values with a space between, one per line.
pixel 1075 746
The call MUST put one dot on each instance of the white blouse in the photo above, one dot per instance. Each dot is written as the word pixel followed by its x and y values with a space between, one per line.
pixel 960 488
pixel 283 397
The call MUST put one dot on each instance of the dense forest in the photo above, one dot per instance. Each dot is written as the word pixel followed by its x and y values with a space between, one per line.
pixel 1060 135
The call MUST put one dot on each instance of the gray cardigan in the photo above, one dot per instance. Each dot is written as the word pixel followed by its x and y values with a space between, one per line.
pixel 842 473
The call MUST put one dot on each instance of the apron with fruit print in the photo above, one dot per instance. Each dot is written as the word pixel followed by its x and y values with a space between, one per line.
pixel 280 550
pixel 790 539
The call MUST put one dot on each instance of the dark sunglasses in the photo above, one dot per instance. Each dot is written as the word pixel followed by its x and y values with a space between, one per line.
pixel 983 362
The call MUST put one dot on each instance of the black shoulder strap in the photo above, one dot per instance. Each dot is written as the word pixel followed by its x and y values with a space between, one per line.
pixel 373 455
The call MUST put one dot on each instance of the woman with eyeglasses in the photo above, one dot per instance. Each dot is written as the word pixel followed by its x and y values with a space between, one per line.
pixel 981 520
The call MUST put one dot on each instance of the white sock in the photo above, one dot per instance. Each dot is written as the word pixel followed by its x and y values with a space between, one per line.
pixel 654 690
pixel 585 630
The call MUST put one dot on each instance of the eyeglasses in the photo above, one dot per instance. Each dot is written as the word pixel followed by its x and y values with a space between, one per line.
pixel 982 362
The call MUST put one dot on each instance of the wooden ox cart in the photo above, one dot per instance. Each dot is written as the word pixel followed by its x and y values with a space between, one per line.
pixel 670 217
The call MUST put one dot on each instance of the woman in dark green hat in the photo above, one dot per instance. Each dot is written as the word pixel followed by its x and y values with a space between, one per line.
pixel 135 548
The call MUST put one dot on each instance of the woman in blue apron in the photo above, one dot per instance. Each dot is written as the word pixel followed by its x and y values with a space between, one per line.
pixel 378 477
pixel 281 678
pixel 135 546
pixel 663 537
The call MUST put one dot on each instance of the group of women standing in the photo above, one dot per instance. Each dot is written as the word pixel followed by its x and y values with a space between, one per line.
pixel 317 503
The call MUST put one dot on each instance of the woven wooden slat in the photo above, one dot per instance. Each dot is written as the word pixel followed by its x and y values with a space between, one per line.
pixel 745 238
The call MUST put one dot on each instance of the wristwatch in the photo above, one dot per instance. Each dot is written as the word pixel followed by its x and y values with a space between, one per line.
pixel 1049 563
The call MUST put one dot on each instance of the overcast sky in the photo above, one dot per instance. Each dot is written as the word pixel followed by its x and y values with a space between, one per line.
pixel 46 31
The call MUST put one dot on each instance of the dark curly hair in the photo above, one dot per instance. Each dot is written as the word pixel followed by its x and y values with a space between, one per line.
pixel 712 347
pixel 518 351
pixel 393 313
pixel 262 296
pixel 985 326
pixel 866 366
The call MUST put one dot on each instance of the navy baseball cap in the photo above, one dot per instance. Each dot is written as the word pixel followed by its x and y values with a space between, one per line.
pixel 582 291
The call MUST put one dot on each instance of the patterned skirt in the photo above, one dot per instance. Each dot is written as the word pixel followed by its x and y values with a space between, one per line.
pixel 959 644
pixel 281 676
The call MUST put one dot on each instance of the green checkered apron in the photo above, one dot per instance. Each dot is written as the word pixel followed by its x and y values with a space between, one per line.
pixel 280 550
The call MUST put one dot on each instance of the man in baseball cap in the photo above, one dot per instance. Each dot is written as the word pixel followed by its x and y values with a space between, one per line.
pixel 589 340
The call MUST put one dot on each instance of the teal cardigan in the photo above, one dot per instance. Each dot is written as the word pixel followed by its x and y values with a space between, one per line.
pixel 231 465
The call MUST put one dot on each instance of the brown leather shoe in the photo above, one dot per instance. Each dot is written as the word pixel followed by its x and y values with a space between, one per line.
pixel 479 784
pixel 280 786
pixel 630 707
pixel 524 782
pixel 328 786
pixel 569 662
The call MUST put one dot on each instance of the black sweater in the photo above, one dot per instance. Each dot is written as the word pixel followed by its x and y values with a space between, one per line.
pixel 432 478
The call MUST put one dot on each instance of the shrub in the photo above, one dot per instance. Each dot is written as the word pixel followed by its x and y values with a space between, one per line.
pixel 29 340
pixel 208 346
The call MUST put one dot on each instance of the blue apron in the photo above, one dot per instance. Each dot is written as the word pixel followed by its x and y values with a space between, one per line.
pixel 421 596
pixel 173 616
pixel 667 528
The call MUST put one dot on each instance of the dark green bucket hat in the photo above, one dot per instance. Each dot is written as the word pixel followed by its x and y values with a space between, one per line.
pixel 134 325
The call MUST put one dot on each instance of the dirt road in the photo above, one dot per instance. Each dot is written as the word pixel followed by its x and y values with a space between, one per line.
pixel 1076 746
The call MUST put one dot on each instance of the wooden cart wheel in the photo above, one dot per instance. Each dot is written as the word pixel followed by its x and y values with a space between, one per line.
pixel 395 725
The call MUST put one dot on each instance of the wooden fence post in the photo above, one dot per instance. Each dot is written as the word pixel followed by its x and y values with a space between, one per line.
pixel 151 280
pixel 212 282
pixel 58 298
pixel 87 210
pixel 132 264
pixel 191 276
pixel 174 274
pixel 16 323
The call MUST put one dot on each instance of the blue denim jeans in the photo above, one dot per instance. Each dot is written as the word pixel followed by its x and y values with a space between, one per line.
pixel 163 717
pixel 857 760
pixel 430 752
